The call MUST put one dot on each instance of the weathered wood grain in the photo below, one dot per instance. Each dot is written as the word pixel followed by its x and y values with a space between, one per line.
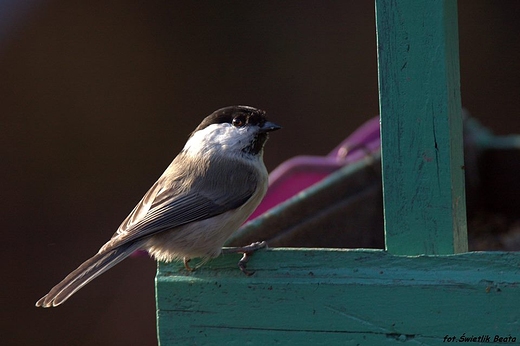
pixel 421 126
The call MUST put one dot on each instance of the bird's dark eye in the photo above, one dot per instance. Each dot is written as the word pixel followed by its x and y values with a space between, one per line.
pixel 239 121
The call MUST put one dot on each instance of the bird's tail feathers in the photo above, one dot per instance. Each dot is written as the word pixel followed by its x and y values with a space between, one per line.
pixel 86 272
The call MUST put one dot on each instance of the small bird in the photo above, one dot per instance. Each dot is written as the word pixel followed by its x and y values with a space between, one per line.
pixel 205 194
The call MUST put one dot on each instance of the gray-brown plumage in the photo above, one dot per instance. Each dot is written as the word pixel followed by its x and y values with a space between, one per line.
pixel 206 193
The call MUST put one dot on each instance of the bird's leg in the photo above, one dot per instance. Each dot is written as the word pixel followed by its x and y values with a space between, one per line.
pixel 186 261
pixel 246 251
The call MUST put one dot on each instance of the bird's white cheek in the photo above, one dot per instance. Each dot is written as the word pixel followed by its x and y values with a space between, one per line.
pixel 216 137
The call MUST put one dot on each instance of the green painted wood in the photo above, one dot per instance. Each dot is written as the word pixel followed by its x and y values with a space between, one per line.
pixel 421 126
pixel 339 297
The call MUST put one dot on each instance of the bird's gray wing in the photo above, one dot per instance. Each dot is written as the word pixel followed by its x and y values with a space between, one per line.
pixel 151 198
pixel 223 186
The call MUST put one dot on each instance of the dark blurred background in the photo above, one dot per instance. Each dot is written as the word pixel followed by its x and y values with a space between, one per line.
pixel 97 97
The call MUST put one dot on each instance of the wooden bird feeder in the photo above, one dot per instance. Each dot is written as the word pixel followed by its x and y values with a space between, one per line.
pixel 424 287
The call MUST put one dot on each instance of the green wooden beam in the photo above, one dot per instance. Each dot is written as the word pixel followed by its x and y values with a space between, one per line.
pixel 339 297
pixel 421 126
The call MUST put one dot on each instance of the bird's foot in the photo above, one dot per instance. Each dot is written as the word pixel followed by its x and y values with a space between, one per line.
pixel 247 251
pixel 186 261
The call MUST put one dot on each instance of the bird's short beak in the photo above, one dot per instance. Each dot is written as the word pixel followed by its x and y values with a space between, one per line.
pixel 269 126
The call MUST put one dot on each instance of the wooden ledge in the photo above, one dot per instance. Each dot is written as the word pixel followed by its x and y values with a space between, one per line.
pixel 329 296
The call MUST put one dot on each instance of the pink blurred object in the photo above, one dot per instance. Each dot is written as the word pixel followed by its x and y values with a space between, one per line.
pixel 301 172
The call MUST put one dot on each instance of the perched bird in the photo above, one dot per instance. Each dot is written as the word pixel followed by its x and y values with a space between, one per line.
pixel 205 194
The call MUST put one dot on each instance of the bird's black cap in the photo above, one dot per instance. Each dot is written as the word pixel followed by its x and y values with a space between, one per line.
pixel 248 115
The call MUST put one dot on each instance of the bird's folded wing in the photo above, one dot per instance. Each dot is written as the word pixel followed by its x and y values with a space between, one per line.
pixel 160 210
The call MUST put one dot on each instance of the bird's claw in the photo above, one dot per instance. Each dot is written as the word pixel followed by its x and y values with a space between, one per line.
pixel 246 251
pixel 186 261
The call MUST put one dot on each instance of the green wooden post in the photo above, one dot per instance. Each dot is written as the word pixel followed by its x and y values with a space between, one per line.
pixel 338 296
pixel 421 127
